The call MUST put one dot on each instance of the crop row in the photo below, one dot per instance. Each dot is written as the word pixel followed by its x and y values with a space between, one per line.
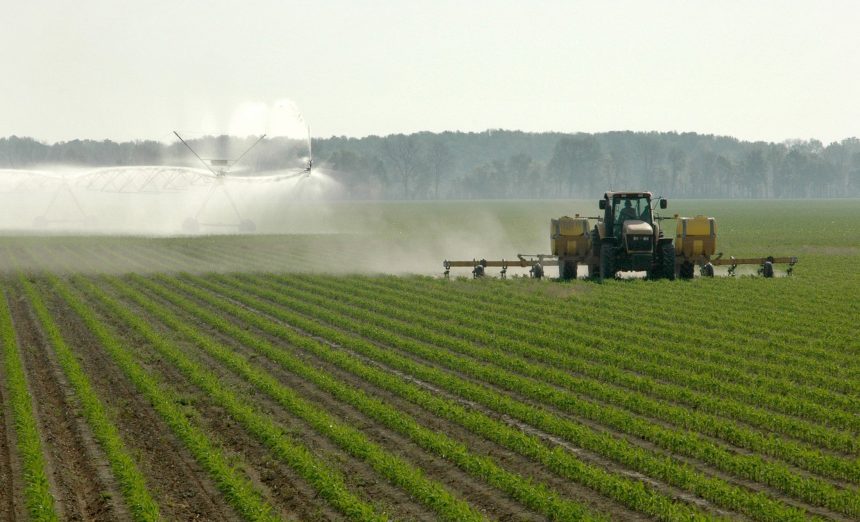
pixel 752 356
pixel 537 497
pixel 748 466
pixel 37 491
pixel 447 328
pixel 131 481
pixel 671 361
pixel 328 481
pixel 666 469
pixel 627 492
pixel 395 469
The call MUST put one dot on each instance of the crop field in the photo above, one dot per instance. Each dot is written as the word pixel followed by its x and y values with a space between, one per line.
pixel 288 378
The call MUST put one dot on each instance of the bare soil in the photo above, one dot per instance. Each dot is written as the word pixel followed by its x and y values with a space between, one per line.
pixel 181 487
pixel 11 488
pixel 477 493
pixel 80 477
pixel 283 488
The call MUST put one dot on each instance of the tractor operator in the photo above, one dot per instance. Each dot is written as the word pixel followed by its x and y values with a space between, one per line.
pixel 628 212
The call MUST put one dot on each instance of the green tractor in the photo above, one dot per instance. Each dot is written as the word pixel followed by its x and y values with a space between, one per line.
pixel 628 238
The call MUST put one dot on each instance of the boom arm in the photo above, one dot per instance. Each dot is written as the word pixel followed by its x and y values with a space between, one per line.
pixel 230 163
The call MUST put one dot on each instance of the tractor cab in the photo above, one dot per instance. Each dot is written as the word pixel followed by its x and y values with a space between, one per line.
pixel 623 207
pixel 629 236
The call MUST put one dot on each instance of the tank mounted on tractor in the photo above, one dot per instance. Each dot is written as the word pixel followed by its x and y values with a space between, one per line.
pixel 628 237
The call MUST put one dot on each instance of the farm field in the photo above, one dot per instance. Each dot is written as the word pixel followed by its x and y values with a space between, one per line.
pixel 283 377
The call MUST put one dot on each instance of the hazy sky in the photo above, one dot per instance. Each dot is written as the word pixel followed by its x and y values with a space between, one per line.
pixel 126 70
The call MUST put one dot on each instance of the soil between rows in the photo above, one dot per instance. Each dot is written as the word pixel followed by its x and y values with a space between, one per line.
pixel 11 486
pixel 80 477
pixel 359 475
pixel 282 486
pixel 182 489
pixel 477 493
pixel 704 467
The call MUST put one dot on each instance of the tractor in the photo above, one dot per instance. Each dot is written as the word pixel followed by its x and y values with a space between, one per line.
pixel 628 238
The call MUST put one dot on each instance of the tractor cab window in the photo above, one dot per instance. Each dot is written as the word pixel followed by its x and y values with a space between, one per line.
pixel 632 208
pixel 627 208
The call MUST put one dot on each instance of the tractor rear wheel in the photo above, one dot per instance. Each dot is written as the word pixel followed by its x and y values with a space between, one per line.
pixel 607 262
pixel 567 270
pixel 667 261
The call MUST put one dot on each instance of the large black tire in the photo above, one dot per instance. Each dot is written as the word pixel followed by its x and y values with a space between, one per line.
pixel 567 270
pixel 607 262
pixel 667 260
pixel 687 271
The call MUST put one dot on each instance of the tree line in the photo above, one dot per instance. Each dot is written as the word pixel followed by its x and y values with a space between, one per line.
pixel 508 164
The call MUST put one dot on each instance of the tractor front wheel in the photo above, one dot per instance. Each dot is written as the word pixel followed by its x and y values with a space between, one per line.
pixel 607 262
pixel 667 261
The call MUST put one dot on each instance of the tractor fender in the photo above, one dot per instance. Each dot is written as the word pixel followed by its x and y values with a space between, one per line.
pixel 601 230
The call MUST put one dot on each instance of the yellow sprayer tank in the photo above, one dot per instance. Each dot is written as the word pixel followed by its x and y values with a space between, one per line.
pixel 569 236
pixel 696 236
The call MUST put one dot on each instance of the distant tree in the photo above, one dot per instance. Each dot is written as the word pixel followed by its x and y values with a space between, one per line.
pixel 403 153
pixel 678 169
pixel 499 163
pixel 361 176
pixel 439 162
pixel 574 162
pixel 754 172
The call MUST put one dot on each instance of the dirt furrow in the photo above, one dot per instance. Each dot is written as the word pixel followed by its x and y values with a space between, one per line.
pixel 181 488
pixel 699 465
pixel 476 492
pixel 80 476
pixel 280 484
pixel 359 475
pixel 11 488
pixel 588 456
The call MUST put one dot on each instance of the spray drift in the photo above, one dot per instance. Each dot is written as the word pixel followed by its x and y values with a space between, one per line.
pixel 218 184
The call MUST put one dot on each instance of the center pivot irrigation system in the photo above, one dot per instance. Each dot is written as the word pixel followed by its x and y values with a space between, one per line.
pixel 629 237
pixel 160 179
pixel 220 168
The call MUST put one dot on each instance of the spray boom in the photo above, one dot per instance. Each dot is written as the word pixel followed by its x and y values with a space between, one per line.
pixel 227 164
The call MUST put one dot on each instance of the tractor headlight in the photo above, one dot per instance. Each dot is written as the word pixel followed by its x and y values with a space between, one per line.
pixel 639 243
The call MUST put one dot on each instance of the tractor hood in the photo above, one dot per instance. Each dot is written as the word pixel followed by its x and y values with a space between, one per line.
pixel 638 236
pixel 636 228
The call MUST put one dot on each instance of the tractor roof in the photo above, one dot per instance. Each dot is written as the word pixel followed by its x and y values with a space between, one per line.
pixel 626 194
